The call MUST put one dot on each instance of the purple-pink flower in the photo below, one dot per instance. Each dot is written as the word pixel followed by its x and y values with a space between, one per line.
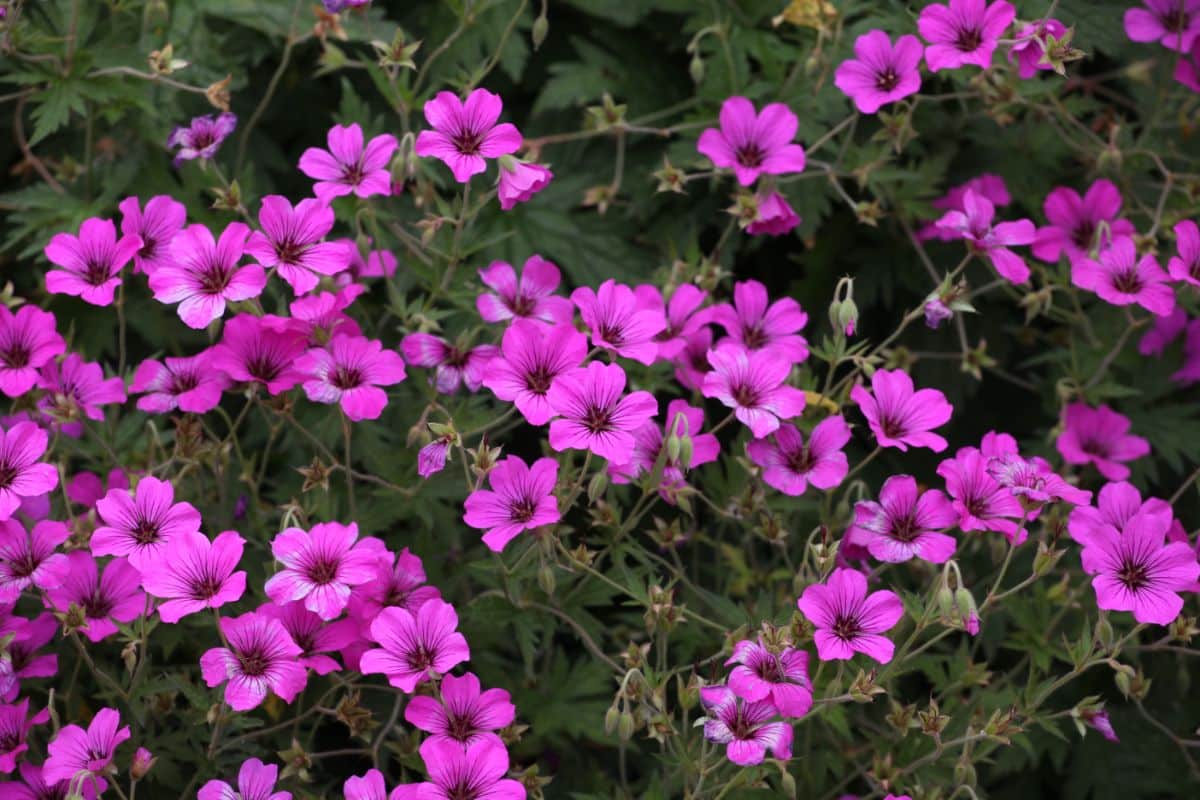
pixel 203 274
pixel 399 581
pixel 848 620
pixel 684 317
pixel 24 660
pixel 156 225
pixel 74 389
pixel 31 558
pixel 414 646
pixel 349 167
pixel 291 242
pixel 881 73
pixel 255 781
pixel 1078 224
pixel 142 527
pixel 261 350
pixel 620 322
pixel 453 366
pixel 790 465
pixel 314 636
pixel 90 262
pixel 1117 503
pixel 520 181
pixel 29 339
pixel 899 416
pixel 682 421
pixel 320 566
pixel 15 725
pixel 744 727
pixel 756 323
pixel 753 384
pixel 1029 49
pixel 773 216
pixel 1173 23
pixel 201 137
pixel 1120 278
pixel 1100 436
pixel 475 772
pixel 753 143
pixel 464 134
pixel 594 414
pixel 1185 266
pixel 1033 482
pixel 529 295
pixel 259 658
pixel 464 714
pixel 194 574
pixel 778 676
pixel 532 355
pixel 189 384
pixel 982 504
pixel 76 750
pixel 521 499
pixel 104 599
pixel 963 32
pixel 974 225
pixel 987 185
pixel 349 371
pixel 906 523
pixel 22 475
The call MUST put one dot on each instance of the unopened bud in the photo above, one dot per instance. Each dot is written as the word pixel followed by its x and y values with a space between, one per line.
pixel 143 762
pixel 546 579
pixel 685 452
pixel 597 486
pixel 541 27
pixel 696 68
pixel 611 717
pixel 625 726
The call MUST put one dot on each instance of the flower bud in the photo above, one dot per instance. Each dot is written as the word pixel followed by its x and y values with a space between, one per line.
pixel 597 486
pixel 625 726
pixel 611 717
pixel 1104 632
pixel 696 68
pixel 964 772
pixel 541 27
pixel 546 579
pixel 685 452
pixel 143 762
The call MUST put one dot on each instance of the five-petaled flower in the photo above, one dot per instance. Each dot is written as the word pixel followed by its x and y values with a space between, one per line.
pixel 753 143
pixel 848 620
pixel 521 498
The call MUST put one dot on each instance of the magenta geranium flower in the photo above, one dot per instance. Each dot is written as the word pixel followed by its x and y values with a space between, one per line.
pixel 347 167
pixel 1029 49
pixel 1100 436
pixel 76 751
pixel 22 475
pixel 29 339
pixel 881 72
pixel 314 636
pixel 1182 267
pixel 773 216
pixel 1163 332
pixel 203 274
pixel 415 645
pixel 752 144
pixel 475 772
pixel 684 317
pixel 35 787
pixel 291 242
pixel 156 225
pixel 399 581
pixel 1033 482
pixel 1189 373
pixel 529 295
pixel 1175 24
pixel 15 724
pixel 593 412
pixel 974 225
pixel 1117 503
pixel 521 499
pixel 1136 570
pixel 261 350
pixel 465 714
pixel 752 383
pixel 260 658
pixel 520 181
pixel 1078 224
pixel 74 389
pixel 321 565
pixel 790 465
pixel 899 416
pixel 963 32
pixel 349 371
pixel 1187 69
pixel 453 366
pixel 193 574
pixel 105 599
pixel 24 661
pixel 31 559
pixel 431 459
pixel 988 185
pixel 1120 278
pixel 682 420
pixel 779 677
pixel 369 786
pixel 185 384
pixel 322 314
pixel 758 324
pixel 532 355
pixel 982 504
pixel 848 620
pixel 142 527
pixel 464 134
pixel 619 322
pixel 691 363
pixel 256 781
pixel 906 523
pixel 745 727
pixel 201 137
pixel 90 262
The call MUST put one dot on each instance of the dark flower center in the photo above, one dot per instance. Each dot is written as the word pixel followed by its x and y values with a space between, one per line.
pixel 96 273
pixel 753 337
pixel 969 39
pixel 24 566
pixel 846 627
pixel 1128 282
pixel 800 461
pixel 149 246
pixel 346 378
pixel 97 606
pixel 1133 575
pixel 205 587
pixel 905 529
pixel 8 474
pixel 522 305
pixel 16 355
pixel 146 531
pixel 597 419
pixel 467 142
pixel 1176 20
pixel 750 155
pixel 214 279
pixel 1083 234
pixel 183 382
pixel 323 570
pixel 253 663
pixel 420 658
pixel 522 510
pixel 538 379
pixel 1094 448
pixel 891 427
pixel 460 727
pixel 289 252
pixel 613 334
pixel 887 80
pixel 769 670
pixel 263 367
pixel 745 396
pixel 9 741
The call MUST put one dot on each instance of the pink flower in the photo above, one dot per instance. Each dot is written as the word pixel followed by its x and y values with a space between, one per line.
pixel 1189 373
pixel 201 138
pixel 881 73
pixel 431 458
pixel 261 350
pixel 974 224
pixel 369 786
pixel 464 715
pixel 256 781
pixel 521 499
pixel 937 312
pixel 90 262
pixel 683 316
pixel 691 363
pixel 594 414
pixel 774 217
pixel 963 32
pixel 193 574
pixel 415 645
pixel 21 473
pixel 1117 503
pixel 347 167
pixel 141 763
pixel 156 226
pixel 322 314
pixel 753 143
pixel 142 527
pixel 1163 331
pixel 1135 569
pixel 378 264
pixel 1187 70
pixel 464 134
pixel 1173 23
pixel 1098 720
pixel 1119 278
pixel 682 421
pixel 619 322
pixel 453 366
pixel 1100 436
pixel 531 295
pixel 349 371
pixel 185 384
pixel 532 355
pixel 848 620
pixel 104 599
pixel 520 181
pixel 260 658
pixel 31 559
pixel 29 340
pixel 1029 49
pixel 900 417
pixel 321 565
pixel 988 185
pixel 475 772
pixel 401 583
pixel 758 324
pixel 905 523
pixel 1033 482
pixel 15 725
pixel 744 726
pixel 290 241
pixel 76 388
pixel 313 635
pixel 753 385
pixel 35 786
pixel 982 504
pixel 203 274
pixel 780 678
pixel 1079 224
pixel 75 750
pixel 1183 267
pixel 790 466
pixel 24 661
